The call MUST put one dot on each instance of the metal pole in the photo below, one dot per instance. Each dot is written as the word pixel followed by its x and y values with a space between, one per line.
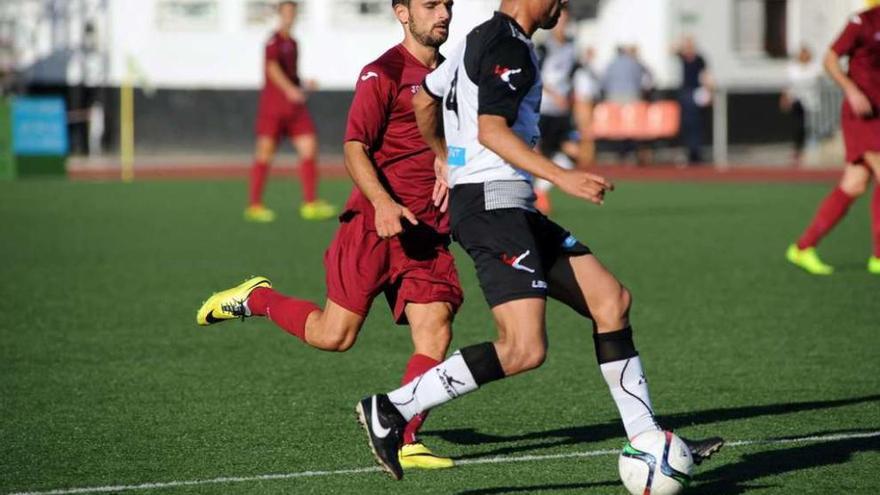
pixel 719 129
pixel 126 129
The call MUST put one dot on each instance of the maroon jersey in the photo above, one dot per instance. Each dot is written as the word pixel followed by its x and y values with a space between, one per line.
pixel 281 49
pixel 382 117
pixel 860 41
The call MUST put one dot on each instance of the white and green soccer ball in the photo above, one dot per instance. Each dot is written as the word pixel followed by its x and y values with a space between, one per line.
pixel 655 463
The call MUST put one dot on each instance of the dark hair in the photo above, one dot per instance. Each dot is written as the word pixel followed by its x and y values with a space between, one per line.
pixel 399 2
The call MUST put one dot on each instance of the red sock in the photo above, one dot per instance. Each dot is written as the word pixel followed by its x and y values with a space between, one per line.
pixel 259 172
pixel 287 312
pixel 875 220
pixel 308 174
pixel 832 209
pixel 418 364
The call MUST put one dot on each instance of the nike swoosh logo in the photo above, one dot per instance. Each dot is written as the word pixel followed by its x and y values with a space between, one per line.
pixel 210 317
pixel 369 75
pixel 378 430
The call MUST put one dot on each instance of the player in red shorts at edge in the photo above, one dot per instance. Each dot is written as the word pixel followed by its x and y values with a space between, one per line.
pixel 860 41
pixel 394 232
pixel 283 112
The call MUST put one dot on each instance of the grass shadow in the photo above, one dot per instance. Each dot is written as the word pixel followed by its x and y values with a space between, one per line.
pixel 614 430
pixel 540 488
pixel 733 479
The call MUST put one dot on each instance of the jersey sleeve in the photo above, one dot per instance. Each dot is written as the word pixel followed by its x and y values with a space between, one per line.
pixel 506 76
pixel 848 40
pixel 273 50
pixel 437 81
pixel 370 107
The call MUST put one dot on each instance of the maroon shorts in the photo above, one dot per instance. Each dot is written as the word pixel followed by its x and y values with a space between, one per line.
pixel 860 135
pixel 292 121
pixel 414 267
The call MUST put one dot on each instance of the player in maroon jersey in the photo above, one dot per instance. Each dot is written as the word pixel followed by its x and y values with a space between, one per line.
pixel 283 112
pixel 860 41
pixel 394 232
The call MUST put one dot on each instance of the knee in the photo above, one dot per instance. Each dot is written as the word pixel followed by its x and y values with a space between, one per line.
pixel 613 311
pixel 854 188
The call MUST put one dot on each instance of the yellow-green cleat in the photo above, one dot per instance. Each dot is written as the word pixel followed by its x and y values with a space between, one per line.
pixel 808 260
pixel 418 456
pixel 259 214
pixel 318 210
pixel 229 304
pixel 874 265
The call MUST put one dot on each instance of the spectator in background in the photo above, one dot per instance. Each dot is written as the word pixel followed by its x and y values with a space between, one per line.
pixel 801 98
pixel 694 95
pixel 558 62
pixel 625 77
pixel 587 90
pixel 627 80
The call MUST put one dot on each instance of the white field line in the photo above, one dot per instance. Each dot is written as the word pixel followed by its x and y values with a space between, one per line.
pixel 338 472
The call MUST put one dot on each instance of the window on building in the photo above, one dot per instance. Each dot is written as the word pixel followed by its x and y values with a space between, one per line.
pixel 364 10
pixel 759 28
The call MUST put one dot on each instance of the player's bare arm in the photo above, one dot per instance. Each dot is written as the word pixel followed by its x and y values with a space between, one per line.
pixel 389 214
pixel 429 118
pixel 498 137
pixel 857 99
pixel 276 74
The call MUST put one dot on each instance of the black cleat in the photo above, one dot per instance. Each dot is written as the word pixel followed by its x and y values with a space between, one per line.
pixel 703 449
pixel 384 426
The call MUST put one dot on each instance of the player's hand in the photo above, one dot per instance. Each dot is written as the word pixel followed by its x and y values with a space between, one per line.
pixel 585 185
pixel 311 85
pixel 440 196
pixel 295 95
pixel 390 217
pixel 860 103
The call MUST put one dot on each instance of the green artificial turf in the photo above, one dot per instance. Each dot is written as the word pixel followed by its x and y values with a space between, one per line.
pixel 106 380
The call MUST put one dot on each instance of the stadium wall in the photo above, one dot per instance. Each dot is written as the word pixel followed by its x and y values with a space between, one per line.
pixel 222 121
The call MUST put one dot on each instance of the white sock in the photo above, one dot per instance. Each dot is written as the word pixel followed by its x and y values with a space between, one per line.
pixel 563 160
pixel 439 385
pixel 543 185
pixel 629 388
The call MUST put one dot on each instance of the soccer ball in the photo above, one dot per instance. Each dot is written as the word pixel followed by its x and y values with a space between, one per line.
pixel 655 463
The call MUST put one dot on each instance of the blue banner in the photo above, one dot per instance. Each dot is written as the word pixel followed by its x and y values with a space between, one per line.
pixel 39 126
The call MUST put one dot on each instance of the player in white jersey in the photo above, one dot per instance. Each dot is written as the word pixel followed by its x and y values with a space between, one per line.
pixel 489 93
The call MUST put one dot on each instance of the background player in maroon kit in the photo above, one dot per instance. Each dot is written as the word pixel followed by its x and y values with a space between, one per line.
pixel 393 237
pixel 283 112
pixel 860 41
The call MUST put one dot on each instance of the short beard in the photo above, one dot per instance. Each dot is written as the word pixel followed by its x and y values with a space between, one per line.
pixel 426 39
pixel 553 20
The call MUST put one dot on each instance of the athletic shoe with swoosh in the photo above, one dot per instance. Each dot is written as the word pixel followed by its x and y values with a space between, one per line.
pixel 703 449
pixel 229 304
pixel 384 425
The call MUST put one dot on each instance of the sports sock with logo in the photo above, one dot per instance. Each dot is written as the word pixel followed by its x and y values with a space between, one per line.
pixel 622 370
pixel 463 372
pixel 308 175
pixel 875 220
pixel 418 364
pixel 832 209
pixel 259 172
pixel 289 313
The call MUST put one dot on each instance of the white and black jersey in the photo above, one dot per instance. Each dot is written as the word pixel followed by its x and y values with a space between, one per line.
pixel 494 71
